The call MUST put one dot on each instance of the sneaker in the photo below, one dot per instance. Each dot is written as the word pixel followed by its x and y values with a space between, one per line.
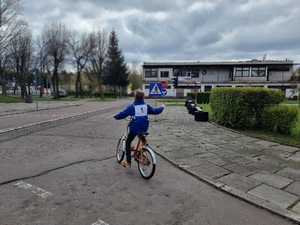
pixel 126 164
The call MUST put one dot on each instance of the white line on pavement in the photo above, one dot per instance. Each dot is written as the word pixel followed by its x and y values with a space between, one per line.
pixel 100 222
pixel 36 190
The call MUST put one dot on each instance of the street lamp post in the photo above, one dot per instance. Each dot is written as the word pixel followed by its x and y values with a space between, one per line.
pixel 35 78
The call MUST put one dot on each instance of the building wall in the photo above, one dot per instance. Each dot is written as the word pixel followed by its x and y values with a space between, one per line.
pixel 280 76
pixel 273 74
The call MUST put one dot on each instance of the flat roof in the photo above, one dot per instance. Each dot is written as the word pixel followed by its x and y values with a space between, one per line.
pixel 199 63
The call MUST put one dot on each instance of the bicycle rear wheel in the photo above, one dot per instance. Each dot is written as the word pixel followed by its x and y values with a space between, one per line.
pixel 146 162
pixel 120 150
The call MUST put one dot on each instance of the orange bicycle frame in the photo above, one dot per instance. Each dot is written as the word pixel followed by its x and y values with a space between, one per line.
pixel 141 142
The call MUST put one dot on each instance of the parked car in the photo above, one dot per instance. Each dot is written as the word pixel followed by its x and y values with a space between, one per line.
pixel 62 93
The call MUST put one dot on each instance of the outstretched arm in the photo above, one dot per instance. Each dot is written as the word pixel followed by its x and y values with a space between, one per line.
pixel 155 111
pixel 126 112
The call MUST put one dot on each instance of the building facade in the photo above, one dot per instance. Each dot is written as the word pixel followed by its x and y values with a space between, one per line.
pixel 204 76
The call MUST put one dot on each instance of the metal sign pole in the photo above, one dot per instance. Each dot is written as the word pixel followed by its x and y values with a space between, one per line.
pixel 155 107
pixel 155 89
pixel 36 102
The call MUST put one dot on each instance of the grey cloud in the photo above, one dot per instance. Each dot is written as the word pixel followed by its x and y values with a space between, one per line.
pixel 185 30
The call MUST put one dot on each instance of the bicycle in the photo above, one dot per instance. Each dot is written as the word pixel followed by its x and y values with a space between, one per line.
pixel 142 153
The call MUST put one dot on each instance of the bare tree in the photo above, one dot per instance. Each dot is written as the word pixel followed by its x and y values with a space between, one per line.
pixel 43 63
pixel 21 50
pixel 55 37
pixel 99 43
pixel 9 28
pixel 81 48
pixel 135 76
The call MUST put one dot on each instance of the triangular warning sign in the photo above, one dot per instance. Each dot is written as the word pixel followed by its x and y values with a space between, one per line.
pixel 155 90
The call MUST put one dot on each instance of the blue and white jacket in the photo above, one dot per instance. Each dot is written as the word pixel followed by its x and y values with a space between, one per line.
pixel 139 111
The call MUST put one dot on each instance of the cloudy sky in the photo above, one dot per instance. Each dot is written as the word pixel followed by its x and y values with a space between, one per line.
pixel 182 30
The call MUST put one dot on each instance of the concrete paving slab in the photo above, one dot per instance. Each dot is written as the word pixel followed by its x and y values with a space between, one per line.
pixel 265 144
pixel 232 147
pixel 272 159
pixel 230 135
pixel 178 154
pixel 189 139
pixel 244 139
pixel 206 154
pixel 278 153
pixel 271 179
pixel 247 160
pixel 292 164
pixel 217 142
pixel 190 161
pixel 290 173
pixel 221 152
pixel 239 182
pixel 252 150
pixel 176 131
pixel 267 166
pixel 294 188
pixel 274 195
pixel 209 146
pixel 236 157
pixel 180 144
pixel 286 148
pixel 220 161
pixel 296 208
pixel 241 169
pixel 210 170
pixel 296 157
pixel 194 150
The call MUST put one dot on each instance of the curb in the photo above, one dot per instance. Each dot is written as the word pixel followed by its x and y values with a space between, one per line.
pixel 284 213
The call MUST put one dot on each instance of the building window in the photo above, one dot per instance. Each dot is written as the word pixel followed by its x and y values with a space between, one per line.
pixel 277 69
pixel 179 73
pixel 207 88
pixel 242 72
pixel 164 73
pixel 258 72
pixel 195 73
pixel 186 73
pixel 151 72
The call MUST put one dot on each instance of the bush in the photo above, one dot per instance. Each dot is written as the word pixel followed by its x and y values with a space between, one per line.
pixel 203 97
pixel 106 95
pixel 281 119
pixel 242 107
pixel 191 95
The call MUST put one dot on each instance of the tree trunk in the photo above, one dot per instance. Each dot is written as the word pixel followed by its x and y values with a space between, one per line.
pixel 77 84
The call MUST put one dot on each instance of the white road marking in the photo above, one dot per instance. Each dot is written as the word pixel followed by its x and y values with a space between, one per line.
pixel 100 222
pixel 36 190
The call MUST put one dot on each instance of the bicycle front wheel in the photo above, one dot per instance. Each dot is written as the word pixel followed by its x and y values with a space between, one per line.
pixel 147 162
pixel 120 150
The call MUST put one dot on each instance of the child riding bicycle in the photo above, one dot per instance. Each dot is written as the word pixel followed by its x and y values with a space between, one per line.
pixel 139 112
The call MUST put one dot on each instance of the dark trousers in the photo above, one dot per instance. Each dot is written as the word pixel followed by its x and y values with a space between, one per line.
pixel 129 140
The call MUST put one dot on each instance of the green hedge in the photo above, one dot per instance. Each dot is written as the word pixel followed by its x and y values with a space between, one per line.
pixel 106 95
pixel 203 97
pixel 199 97
pixel 191 95
pixel 242 107
pixel 280 119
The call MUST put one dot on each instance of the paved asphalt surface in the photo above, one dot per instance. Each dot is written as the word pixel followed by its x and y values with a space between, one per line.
pixel 266 174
